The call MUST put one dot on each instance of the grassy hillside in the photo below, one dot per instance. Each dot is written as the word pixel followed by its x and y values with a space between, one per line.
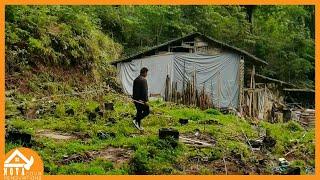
pixel 109 144
pixel 87 36
pixel 58 81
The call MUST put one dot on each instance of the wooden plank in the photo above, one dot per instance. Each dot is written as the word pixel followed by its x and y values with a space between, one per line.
pixel 196 142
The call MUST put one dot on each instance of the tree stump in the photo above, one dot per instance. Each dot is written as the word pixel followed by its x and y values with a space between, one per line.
pixel 109 106
pixel 183 121
pixel 97 109
pixel 70 112
pixel 16 136
pixel 269 142
pixel 92 116
pixel 167 133
pixel 293 171
pixel 112 120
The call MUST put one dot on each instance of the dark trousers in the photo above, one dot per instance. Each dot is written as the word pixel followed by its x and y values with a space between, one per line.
pixel 142 111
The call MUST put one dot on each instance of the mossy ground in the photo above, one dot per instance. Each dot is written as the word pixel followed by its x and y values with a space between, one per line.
pixel 151 155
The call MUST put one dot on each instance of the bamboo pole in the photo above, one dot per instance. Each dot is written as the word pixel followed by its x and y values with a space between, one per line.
pixel 219 87
pixel 183 81
pixel 241 79
pixel 253 94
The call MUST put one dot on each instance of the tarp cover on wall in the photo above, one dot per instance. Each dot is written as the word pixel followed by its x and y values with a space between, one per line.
pixel 217 73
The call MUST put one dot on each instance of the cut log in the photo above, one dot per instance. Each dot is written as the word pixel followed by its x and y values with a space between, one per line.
pixel 16 136
pixel 92 116
pixel 183 121
pixel 195 143
pixel 70 112
pixel 167 133
pixel 109 106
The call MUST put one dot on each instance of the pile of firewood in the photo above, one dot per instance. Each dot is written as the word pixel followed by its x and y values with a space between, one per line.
pixel 307 118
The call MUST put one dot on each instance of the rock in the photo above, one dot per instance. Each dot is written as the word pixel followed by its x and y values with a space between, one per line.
pixel 283 162
pixel 109 106
pixel 183 121
pixel 167 133
pixel 70 112
pixel 256 143
pixel 106 135
pixel 197 132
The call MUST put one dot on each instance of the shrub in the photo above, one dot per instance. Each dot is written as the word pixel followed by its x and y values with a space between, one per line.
pixel 213 111
pixel 294 126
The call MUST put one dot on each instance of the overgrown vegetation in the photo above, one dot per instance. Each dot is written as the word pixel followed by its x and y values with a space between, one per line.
pixel 58 78
pixel 148 154
pixel 89 36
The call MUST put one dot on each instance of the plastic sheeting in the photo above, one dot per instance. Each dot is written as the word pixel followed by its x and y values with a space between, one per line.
pixel 218 74
pixel 159 66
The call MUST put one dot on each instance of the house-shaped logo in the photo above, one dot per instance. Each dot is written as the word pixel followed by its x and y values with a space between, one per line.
pixel 18 160
pixel 17 163
pixel 22 163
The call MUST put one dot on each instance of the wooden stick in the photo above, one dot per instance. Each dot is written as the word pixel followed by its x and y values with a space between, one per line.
pixel 225 166
pixel 250 93
pixel 195 141
pixel 61 95
pixel 247 139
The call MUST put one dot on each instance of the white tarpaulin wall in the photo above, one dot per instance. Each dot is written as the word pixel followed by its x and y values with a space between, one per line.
pixel 159 66
pixel 217 73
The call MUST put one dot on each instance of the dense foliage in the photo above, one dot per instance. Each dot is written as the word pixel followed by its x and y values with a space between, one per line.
pixel 55 35
pixel 83 35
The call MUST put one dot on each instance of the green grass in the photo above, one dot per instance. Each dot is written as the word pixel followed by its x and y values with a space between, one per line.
pixel 151 155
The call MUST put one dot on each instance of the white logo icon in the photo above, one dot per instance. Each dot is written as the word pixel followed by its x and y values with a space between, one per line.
pixel 14 161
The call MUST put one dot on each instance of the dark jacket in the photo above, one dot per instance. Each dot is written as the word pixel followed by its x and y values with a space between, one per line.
pixel 140 89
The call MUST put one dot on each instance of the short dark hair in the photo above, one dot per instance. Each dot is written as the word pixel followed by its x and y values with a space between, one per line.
pixel 144 70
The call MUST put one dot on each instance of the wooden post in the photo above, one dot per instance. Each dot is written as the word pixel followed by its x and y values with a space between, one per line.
pixel 167 89
pixel 175 92
pixel 251 91
pixel 183 82
pixel 193 86
pixel 241 83
pixel 254 102
pixel 219 86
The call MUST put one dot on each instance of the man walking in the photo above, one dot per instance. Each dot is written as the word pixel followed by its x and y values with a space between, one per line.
pixel 140 97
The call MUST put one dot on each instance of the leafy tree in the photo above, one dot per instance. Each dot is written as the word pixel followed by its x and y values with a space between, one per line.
pixel 86 36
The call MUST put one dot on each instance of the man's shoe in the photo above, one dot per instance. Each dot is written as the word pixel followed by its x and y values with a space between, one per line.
pixel 141 128
pixel 135 124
